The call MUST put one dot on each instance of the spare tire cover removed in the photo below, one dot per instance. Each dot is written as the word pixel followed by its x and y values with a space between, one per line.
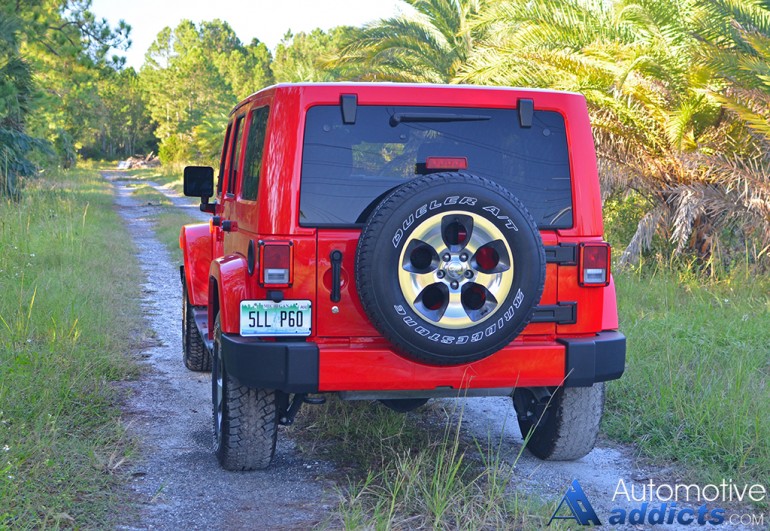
pixel 449 268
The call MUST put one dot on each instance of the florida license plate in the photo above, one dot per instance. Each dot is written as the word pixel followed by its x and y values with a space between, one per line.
pixel 268 318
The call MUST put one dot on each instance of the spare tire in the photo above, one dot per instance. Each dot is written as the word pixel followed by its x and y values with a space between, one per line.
pixel 449 268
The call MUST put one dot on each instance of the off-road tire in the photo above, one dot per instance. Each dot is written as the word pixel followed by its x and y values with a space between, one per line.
pixel 570 425
pixel 450 309
pixel 245 421
pixel 194 353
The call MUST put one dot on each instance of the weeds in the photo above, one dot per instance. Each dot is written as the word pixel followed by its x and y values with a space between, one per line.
pixel 66 315
pixel 409 474
pixel 696 384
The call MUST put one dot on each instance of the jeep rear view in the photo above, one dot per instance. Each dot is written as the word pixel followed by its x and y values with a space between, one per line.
pixel 401 243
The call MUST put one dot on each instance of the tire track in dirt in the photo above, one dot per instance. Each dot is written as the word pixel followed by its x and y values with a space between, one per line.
pixel 176 480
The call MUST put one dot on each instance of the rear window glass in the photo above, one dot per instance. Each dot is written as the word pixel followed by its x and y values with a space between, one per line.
pixel 347 169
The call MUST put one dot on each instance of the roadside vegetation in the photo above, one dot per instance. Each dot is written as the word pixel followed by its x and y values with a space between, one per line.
pixel 696 389
pixel 68 317
pixel 415 470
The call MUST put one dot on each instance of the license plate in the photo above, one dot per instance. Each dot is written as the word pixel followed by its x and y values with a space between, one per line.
pixel 268 318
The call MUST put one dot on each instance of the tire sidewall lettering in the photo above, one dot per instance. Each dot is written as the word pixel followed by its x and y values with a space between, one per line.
pixel 448 201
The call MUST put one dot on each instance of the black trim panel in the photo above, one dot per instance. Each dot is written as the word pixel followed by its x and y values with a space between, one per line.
pixel 594 359
pixel 288 366
pixel 562 254
pixel 561 313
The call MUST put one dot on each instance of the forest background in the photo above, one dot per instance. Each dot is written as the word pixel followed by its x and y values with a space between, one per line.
pixel 678 90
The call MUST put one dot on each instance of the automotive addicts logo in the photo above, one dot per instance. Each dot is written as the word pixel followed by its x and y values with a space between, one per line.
pixel 658 504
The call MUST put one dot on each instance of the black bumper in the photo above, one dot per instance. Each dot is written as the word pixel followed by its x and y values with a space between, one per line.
pixel 595 359
pixel 291 367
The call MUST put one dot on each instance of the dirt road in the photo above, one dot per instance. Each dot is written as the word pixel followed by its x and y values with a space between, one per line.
pixel 177 483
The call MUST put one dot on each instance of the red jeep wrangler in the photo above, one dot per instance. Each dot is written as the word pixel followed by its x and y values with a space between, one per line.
pixel 401 242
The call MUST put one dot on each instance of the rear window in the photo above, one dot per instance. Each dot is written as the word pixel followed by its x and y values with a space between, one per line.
pixel 347 169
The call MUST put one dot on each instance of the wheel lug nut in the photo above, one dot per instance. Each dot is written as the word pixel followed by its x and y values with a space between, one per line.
pixel 469 274
pixel 463 257
pixel 446 257
pixel 440 274
pixel 454 284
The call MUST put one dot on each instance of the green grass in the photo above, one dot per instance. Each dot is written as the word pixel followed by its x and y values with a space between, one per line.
pixel 696 387
pixel 164 175
pixel 68 311
pixel 414 471
pixel 149 195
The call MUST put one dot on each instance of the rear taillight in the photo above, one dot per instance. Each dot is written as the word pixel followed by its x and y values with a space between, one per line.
pixel 275 264
pixel 594 268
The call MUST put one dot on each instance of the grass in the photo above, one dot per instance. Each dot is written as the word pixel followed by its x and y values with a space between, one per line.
pixel 414 471
pixel 149 195
pixel 696 387
pixel 163 175
pixel 68 312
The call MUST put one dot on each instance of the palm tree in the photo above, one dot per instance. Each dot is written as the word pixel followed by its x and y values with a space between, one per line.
pixel 656 109
pixel 16 89
pixel 429 45
pixel 736 37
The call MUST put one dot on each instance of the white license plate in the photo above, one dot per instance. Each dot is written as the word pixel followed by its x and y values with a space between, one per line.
pixel 268 318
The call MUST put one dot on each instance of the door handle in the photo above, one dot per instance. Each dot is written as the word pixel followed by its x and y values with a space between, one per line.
pixel 336 258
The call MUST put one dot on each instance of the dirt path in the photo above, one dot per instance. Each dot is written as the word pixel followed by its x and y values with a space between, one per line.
pixel 178 484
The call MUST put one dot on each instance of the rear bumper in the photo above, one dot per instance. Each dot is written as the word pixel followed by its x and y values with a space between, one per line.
pixel 594 360
pixel 291 367
pixel 305 367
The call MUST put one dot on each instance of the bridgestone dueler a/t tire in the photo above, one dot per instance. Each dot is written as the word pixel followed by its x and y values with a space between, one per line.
pixel 246 434
pixel 196 356
pixel 569 427
pixel 410 209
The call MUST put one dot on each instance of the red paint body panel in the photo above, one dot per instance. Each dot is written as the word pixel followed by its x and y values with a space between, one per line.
pixel 351 321
pixel 367 369
pixel 195 242
pixel 230 274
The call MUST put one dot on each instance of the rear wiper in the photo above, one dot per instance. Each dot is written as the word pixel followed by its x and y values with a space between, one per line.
pixel 406 117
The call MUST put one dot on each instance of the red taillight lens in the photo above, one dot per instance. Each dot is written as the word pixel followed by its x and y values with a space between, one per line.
pixel 275 264
pixel 594 267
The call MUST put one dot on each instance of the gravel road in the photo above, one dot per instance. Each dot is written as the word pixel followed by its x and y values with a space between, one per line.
pixel 176 481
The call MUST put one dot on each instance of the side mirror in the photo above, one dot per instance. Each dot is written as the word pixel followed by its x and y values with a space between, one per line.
pixel 199 182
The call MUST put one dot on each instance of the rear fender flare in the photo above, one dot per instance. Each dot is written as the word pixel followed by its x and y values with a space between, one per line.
pixel 195 242
pixel 228 283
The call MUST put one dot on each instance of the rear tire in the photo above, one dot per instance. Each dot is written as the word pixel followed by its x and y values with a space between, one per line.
pixel 568 428
pixel 196 356
pixel 245 419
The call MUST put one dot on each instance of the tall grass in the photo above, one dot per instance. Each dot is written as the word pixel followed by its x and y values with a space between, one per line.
pixel 696 387
pixel 415 471
pixel 68 308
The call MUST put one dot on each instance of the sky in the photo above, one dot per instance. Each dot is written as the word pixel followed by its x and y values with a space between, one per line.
pixel 266 20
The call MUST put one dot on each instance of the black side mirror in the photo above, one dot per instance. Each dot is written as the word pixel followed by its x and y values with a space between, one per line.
pixel 199 182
